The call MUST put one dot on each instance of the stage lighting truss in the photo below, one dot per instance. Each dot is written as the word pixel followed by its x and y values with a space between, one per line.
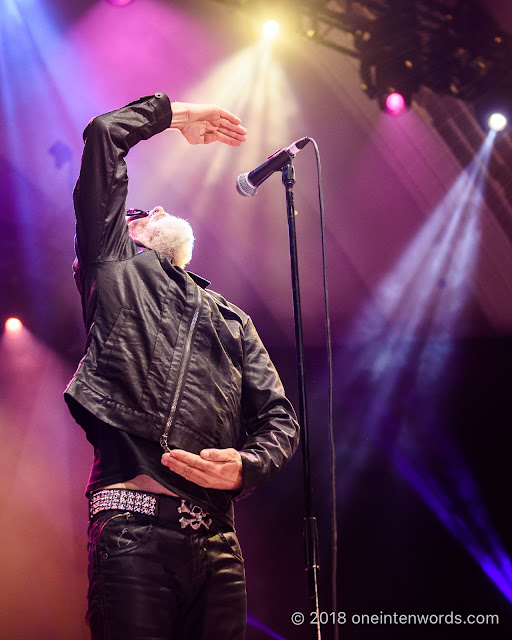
pixel 453 47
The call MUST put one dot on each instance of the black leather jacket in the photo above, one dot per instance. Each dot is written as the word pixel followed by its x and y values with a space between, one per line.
pixel 166 359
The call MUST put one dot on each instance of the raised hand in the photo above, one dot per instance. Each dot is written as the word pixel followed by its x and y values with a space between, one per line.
pixel 206 123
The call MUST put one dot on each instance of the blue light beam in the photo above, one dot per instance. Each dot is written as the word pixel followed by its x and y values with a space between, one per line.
pixel 410 327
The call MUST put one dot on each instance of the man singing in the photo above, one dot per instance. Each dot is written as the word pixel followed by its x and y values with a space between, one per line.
pixel 176 393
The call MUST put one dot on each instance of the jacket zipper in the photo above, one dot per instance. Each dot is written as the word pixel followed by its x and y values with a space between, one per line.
pixel 181 378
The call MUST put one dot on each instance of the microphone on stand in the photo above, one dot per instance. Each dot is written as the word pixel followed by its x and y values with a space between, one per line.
pixel 247 183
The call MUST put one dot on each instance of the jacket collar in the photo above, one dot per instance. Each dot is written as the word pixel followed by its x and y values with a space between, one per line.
pixel 201 282
pixel 167 264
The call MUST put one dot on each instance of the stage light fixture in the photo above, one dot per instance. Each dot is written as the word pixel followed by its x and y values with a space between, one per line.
pixel 494 109
pixel 119 3
pixel 395 103
pixel 497 121
pixel 394 98
pixel 270 29
pixel 13 325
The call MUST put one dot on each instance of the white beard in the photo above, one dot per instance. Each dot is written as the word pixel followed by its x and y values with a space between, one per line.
pixel 171 236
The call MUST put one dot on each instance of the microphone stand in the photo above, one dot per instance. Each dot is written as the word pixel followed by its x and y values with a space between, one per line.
pixel 311 530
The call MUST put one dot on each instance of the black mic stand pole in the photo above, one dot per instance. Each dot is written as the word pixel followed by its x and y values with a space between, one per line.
pixel 311 531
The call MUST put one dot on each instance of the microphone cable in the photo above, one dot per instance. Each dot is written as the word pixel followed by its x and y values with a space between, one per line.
pixel 330 425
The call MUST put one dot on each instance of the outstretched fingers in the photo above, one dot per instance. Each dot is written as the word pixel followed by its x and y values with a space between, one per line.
pixel 229 130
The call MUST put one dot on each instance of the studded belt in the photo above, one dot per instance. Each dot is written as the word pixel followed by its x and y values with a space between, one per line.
pixel 165 508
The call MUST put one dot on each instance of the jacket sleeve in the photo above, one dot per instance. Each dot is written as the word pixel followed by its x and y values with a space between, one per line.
pixel 100 193
pixel 271 424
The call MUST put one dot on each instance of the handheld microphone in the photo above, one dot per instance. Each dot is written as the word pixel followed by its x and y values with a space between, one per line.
pixel 247 183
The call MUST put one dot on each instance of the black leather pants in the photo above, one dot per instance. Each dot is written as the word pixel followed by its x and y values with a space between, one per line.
pixel 150 580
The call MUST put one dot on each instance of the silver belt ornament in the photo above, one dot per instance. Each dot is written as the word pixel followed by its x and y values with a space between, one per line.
pixel 193 516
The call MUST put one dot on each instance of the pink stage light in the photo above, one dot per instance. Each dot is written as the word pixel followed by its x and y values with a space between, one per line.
pixel 13 325
pixel 395 103
pixel 119 3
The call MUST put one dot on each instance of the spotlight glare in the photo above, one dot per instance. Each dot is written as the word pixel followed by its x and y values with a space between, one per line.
pixel 395 103
pixel 497 122
pixel 119 3
pixel 13 325
pixel 270 29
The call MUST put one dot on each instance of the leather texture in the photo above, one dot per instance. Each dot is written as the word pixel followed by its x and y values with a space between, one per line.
pixel 163 353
